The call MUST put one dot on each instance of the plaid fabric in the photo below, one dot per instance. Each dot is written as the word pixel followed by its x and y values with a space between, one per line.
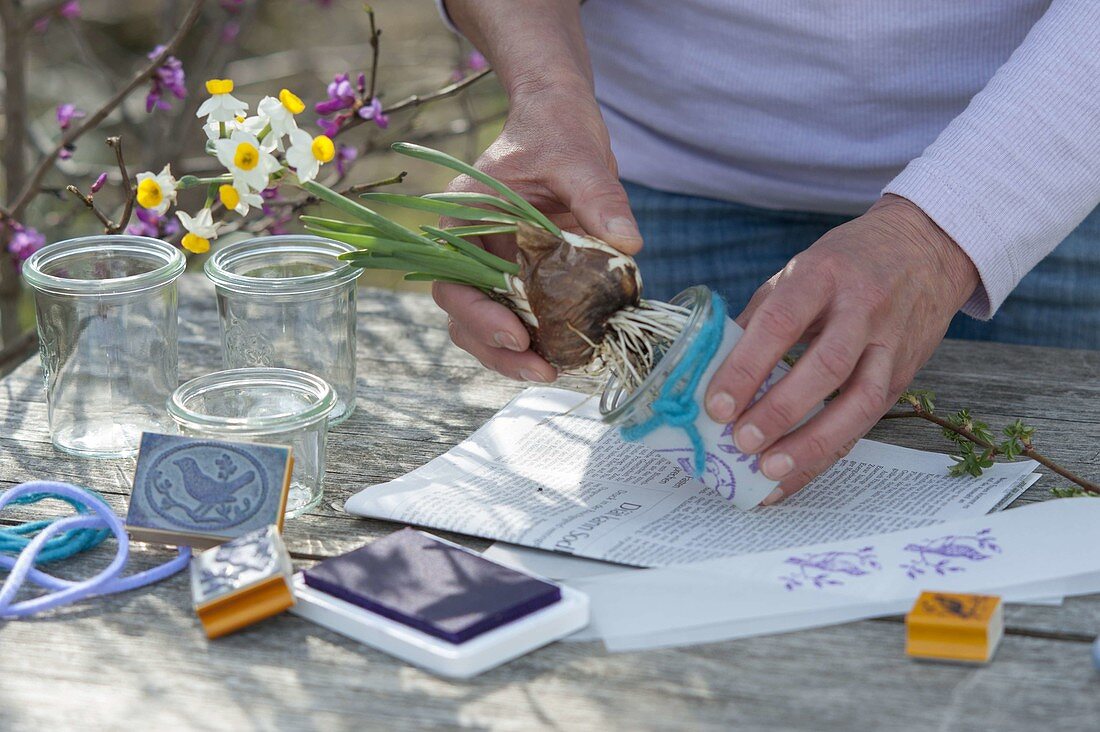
pixel 733 249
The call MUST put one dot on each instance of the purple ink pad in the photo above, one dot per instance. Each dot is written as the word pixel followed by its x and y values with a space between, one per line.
pixel 431 585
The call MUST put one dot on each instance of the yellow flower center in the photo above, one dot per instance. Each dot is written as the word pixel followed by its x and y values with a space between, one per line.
pixel 195 243
pixel 247 156
pixel 229 197
pixel 291 101
pixel 219 86
pixel 323 149
pixel 149 194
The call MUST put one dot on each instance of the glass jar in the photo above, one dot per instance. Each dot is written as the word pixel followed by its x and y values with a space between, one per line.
pixel 107 330
pixel 273 406
pixel 734 475
pixel 287 301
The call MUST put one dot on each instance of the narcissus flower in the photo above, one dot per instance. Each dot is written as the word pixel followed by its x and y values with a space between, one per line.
pixel 250 165
pixel 201 228
pixel 156 192
pixel 280 112
pixel 307 153
pixel 238 200
pixel 222 106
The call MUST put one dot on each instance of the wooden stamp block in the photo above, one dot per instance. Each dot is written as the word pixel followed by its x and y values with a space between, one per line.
pixel 241 582
pixel 954 627
pixel 200 493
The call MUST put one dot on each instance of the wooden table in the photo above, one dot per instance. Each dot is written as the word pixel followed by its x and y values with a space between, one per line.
pixel 140 660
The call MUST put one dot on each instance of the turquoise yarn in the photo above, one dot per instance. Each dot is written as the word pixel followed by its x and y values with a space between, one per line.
pixel 14 539
pixel 675 404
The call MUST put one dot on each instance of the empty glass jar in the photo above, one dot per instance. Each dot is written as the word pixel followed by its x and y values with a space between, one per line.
pixel 107 330
pixel 267 405
pixel 287 301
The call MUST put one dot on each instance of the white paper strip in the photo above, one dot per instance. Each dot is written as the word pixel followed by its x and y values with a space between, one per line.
pixel 1032 552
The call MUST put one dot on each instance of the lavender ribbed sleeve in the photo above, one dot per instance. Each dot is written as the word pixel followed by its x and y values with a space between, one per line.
pixel 1013 174
pixel 817 105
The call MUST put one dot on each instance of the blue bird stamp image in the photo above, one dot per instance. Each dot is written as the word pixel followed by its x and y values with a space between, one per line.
pixel 199 492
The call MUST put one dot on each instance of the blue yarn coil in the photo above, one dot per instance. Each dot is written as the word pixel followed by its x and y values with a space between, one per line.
pixel 675 404
pixel 15 539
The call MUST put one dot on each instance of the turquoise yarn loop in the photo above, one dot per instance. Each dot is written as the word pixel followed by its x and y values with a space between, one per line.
pixel 675 404
pixel 14 539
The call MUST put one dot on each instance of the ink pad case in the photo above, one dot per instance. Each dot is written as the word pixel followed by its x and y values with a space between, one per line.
pixel 437 605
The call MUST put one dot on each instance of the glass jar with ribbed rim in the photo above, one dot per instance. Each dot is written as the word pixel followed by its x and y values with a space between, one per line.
pixel 666 410
pixel 288 302
pixel 266 405
pixel 106 308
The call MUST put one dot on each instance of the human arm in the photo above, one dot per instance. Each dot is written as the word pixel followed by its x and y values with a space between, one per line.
pixel 554 150
pixel 1004 183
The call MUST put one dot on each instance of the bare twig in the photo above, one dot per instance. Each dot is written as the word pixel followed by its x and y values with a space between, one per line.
pixel 15 98
pixel 451 89
pixel 35 12
pixel 14 146
pixel 108 225
pixel 374 45
pixel 115 142
pixel 416 100
pixel 31 187
pixel 1028 450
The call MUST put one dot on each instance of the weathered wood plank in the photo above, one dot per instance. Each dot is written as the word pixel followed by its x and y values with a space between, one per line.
pixel 142 655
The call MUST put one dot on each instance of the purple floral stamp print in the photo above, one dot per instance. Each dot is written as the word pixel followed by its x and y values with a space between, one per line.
pixel 829 568
pixel 727 446
pixel 948 554
pixel 719 474
pixel 725 440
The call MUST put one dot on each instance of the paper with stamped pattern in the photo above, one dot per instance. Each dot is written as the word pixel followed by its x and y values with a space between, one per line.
pixel 547 473
pixel 1039 550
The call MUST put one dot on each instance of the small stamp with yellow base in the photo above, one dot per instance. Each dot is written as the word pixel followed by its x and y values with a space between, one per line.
pixel 954 627
pixel 241 582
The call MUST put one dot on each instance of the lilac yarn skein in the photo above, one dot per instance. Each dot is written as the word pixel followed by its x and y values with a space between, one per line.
pixel 64 592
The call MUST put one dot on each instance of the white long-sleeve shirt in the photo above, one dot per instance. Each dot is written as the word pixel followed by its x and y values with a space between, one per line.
pixel 985 113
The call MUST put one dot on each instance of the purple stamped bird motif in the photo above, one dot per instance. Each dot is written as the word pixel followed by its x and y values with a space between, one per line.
pixel 942 555
pixel 235 562
pixel 828 568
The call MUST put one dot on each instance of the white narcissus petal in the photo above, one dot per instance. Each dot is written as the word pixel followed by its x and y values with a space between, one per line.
pixel 248 200
pixel 166 183
pixel 254 178
pixel 222 108
pixel 300 156
pixel 278 116
pixel 201 224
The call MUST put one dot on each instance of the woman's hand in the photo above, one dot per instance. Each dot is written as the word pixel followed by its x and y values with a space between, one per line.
pixel 554 151
pixel 873 298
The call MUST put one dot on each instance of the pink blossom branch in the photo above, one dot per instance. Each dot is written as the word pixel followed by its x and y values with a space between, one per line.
pixel 416 100
pixel 32 186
